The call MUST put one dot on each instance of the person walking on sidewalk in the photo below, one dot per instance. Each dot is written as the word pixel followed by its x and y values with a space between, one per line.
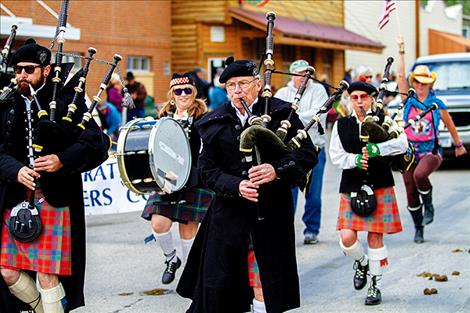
pixel 310 103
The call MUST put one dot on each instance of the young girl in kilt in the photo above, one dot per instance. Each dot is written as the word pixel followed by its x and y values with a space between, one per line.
pixel 364 162
pixel 189 205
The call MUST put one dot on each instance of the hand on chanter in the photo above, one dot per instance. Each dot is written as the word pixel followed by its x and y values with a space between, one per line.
pixel 262 174
pixel 248 190
pixel 48 163
pixel 26 176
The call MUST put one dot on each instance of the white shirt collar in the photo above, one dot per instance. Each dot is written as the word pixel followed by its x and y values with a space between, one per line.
pixel 243 117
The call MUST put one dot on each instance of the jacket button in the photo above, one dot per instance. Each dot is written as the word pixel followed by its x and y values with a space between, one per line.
pixel 244 173
pixel 238 127
pixel 238 138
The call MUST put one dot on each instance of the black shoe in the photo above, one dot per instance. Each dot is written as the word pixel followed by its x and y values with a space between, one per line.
pixel 419 234
pixel 170 271
pixel 428 217
pixel 374 296
pixel 360 277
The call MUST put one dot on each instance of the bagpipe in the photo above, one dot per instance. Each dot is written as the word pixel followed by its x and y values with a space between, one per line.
pixel 259 143
pixel 376 127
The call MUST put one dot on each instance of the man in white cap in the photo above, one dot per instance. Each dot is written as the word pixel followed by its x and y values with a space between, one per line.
pixel 311 101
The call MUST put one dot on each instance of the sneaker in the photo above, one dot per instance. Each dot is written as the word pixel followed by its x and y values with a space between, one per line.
pixel 170 271
pixel 310 239
pixel 374 296
pixel 360 276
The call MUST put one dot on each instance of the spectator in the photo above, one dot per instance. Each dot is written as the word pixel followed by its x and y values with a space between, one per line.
pixel 114 92
pixel 217 93
pixel 138 94
pixel 202 85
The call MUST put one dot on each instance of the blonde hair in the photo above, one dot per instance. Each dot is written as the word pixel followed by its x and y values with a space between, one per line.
pixel 196 109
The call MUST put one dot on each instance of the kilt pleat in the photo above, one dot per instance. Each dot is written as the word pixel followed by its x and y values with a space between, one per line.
pixel 385 219
pixel 193 208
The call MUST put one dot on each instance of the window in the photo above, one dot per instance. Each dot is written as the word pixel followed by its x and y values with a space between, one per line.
pixel 466 31
pixel 77 62
pixel 138 63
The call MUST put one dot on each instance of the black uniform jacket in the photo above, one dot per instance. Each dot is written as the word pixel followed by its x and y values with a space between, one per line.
pixel 63 188
pixel 216 275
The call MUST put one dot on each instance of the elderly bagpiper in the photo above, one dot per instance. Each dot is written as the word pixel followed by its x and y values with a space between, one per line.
pixel 366 179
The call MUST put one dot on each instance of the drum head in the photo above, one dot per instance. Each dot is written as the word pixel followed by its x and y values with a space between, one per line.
pixel 170 155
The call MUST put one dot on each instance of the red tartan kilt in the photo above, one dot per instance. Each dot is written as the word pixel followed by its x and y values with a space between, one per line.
pixel 253 270
pixel 51 253
pixel 385 219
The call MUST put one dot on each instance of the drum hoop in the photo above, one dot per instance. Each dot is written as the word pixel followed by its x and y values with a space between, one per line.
pixel 152 138
pixel 120 155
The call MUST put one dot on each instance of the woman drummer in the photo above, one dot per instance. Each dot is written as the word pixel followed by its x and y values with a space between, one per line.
pixel 189 205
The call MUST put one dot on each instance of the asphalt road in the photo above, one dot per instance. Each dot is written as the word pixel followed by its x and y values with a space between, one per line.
pixel 120 267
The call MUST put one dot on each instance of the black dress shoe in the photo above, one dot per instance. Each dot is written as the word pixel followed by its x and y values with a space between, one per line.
pixel 170 271
pixel 374 296
pixel 360 276
pixel 419 234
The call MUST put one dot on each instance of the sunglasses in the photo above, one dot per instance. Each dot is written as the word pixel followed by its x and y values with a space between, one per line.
pixel 179 91
pixel 29 69
pixel 363 97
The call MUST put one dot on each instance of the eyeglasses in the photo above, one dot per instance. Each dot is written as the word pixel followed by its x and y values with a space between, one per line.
pixel 29 69
pixel 244 84
pixel 180 91
pixel 363 97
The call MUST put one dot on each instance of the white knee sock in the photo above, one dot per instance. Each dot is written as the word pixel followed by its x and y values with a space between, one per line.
pixel 186 247
pixel 258 306
pixel 53 299
pixel 165 241
pixel 355 251
pixel 378 260
pixel 25 290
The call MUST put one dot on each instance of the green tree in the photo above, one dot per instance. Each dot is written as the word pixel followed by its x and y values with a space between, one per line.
pixel 465 3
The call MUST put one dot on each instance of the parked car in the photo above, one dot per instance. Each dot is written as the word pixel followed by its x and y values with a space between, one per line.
pixel 453 87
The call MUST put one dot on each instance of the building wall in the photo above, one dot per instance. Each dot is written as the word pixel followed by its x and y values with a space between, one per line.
pixel 436 16
pixel 365 22
pixel 324 12
pixel 129 28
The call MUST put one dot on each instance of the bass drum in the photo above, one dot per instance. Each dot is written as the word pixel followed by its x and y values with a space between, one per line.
pixel 153 155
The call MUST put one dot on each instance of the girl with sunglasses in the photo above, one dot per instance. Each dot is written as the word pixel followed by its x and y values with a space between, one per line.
pixel 424 135
pixel 189 205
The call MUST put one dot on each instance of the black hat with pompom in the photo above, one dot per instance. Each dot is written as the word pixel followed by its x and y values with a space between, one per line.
pixel 32 52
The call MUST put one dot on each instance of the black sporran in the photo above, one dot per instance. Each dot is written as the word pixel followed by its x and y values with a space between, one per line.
pixel 25 223
pixel 363 202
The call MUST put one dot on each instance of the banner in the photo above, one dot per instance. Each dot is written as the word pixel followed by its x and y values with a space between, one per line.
pixel 103 192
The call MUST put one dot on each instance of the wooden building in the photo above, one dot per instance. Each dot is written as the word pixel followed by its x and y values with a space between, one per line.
pixel 204 33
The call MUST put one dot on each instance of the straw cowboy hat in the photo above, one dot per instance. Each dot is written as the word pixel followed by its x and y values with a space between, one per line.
pixel 423 75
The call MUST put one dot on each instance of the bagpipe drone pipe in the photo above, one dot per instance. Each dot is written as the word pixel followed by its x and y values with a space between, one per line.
pixel 7 80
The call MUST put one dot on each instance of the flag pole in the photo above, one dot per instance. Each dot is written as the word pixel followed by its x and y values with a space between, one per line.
pixel 398 19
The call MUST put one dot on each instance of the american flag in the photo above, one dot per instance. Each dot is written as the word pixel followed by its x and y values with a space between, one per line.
pixel 390 6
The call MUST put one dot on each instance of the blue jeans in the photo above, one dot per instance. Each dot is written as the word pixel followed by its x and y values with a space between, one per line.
pixel 312 212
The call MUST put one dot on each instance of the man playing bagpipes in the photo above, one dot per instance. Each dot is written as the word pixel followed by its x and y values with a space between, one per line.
pixel 368 200
pixel 247 238
pixel 44 239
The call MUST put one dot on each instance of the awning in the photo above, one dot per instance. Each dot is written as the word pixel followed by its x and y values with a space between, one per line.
pixel 441 42
pixel 302 33
pixel 26 28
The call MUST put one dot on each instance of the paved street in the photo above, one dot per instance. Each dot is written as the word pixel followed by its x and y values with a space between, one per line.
pixel 120 267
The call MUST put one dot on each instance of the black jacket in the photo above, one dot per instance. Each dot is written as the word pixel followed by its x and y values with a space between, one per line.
pixel 216 275
pixel 85 152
